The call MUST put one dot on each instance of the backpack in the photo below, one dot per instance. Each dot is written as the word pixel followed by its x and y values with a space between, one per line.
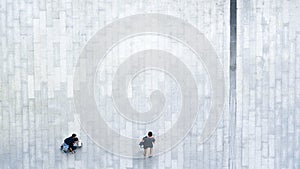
pixel 142 143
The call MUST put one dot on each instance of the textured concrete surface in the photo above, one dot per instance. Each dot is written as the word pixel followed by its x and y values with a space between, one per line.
pixel 40 42
pixel 268 90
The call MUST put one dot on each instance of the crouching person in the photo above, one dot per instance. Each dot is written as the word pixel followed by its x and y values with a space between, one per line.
pixel 69 144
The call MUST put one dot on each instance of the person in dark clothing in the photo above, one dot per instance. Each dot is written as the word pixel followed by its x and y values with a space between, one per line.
pixel 148 142
pixel 70 141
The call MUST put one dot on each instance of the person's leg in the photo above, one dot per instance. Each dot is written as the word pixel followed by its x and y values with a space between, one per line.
pixel 65 147
pixel 151 151
pixel 145 152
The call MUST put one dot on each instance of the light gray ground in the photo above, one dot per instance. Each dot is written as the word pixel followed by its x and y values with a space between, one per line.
pixel 40 42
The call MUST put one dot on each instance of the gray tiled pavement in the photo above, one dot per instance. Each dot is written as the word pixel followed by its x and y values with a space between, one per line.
pixel 40 42
pixel 268 85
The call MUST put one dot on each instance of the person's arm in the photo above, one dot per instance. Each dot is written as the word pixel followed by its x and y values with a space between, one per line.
pixel 143 139
pixel 71 146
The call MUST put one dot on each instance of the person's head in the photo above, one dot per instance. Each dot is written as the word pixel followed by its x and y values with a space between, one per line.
pixel 150 134
pixel 75 140
pixel 73 135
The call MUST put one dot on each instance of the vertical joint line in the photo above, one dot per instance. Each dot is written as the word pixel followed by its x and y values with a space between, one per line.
pixel 232 90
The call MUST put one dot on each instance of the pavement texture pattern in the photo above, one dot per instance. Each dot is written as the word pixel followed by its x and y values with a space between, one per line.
pixel 40 45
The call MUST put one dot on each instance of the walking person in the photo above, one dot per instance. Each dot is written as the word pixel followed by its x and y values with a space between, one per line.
pixel 148 142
